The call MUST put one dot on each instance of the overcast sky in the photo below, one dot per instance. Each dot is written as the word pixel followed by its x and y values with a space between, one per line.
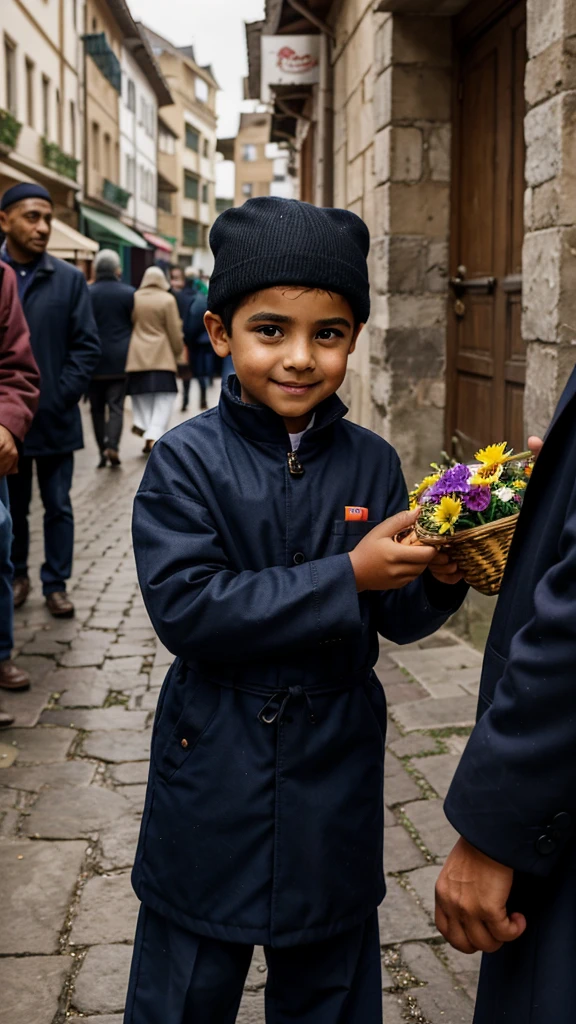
pixel 216 30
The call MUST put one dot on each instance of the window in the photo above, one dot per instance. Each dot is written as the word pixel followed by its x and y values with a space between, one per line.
pixel 201 90
pixel 45 107
pixel 142 119
pixel 164 201
pixel 190 186
pixel 107 156
pixel 29 92
pixel 94 24
pixel 191 232
pixel 58 118
pixel 10 73
pixel 95 146
pixel 249 153
pixel 130 174
pixel 206 148
pixel 72 128
pixel 192 138
pixel 204 193
pixel 166 141
pixel 131 95
pixel 247 188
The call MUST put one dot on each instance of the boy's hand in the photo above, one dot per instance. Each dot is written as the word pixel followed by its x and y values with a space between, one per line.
pixel 471 895
pixel 380 563
pixel 444 569
pixel 535 445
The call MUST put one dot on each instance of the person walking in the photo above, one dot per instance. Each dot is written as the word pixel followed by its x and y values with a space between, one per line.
pixel 112 304
pixel 202 355
pixel 65 343
pixel 156 347
pixel 19 393
pixel 183 288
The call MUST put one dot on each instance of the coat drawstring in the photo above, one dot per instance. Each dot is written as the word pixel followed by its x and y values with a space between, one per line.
pixel 274 708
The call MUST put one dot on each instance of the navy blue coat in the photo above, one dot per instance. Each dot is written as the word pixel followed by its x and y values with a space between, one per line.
pixel 514 793
pixel 112 305
pixel 66 347
pixel 263 818
pixel 202 355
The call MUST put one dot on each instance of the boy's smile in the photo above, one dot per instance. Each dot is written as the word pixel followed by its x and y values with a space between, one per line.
pixel 290 347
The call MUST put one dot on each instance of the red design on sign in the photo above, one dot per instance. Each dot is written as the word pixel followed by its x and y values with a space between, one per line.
pixel 292 63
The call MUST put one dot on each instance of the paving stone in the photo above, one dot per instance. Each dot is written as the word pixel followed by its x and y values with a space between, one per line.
pixel 44 644
pixel 135 795
pixel 27 705
pixel 439 665
pixel 107 912
pixel 8 798
pixel 438 771
pixel 106 1019
pixel 8 754
pixel 123 666
pixel 80 688
pixel 118 843
pixel 423 881
pixel 456 744
pixel 103 980
pixel 436 713
pixel 256 978
pixel 149 700
pixel 133 773
pixel 430 822
pixel 116 746
pixel 401 919
pixel 392 1009
pixel 37 881
pixel 82 658
pixel 251 1009
pixel 44 745
pixel 163 655
pixel 117 718
pixel 414 745
pixel 399 787
pixel 388 981
pixel 441 997
pixel 400 852
pixel 126 650
pixel 31 987
pixel 53 776
pixel 84 813
pixel 403 692
pixel 465 967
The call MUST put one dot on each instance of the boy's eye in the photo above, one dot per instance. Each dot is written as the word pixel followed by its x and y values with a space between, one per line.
pixel 328 334
pixel 270 331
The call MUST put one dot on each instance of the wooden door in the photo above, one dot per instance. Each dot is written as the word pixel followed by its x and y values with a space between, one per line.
pixel 486 354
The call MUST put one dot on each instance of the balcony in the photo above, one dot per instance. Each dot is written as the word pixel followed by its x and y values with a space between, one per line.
pixel 96 46
pixel 56 160
pixel 114 194
pixel 9 131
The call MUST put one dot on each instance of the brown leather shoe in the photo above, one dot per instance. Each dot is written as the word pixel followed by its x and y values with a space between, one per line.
pixel 20 589
pixel 12 677
pixel 112 454
pixel 6 720
pixel 60 605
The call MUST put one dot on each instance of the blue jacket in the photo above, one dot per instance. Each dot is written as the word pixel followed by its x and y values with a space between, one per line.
pixel 195 332
pixel 263 820
pixel 66 347
pixel 514 793
pixel 112 305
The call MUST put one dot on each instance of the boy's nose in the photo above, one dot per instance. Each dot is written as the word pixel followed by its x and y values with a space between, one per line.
pixel 299 357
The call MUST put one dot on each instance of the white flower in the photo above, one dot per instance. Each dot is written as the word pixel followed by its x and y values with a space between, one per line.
pixel 505 493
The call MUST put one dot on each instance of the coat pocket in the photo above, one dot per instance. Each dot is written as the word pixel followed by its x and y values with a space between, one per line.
pixel 197 714
pixel 492 671
pixel 346 535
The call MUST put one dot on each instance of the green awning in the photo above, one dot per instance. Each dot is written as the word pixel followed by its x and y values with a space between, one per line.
pixel 105 227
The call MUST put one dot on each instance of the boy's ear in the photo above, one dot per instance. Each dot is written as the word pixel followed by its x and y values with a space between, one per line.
pixel 355 338
pixel 217 332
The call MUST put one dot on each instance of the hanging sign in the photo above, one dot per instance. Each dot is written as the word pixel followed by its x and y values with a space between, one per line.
pixel 289 60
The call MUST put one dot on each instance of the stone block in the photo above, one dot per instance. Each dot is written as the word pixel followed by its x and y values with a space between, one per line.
pixel 436 713
pixel 406 154
pixel 49 776
pixel 437 263
pixel 359 49
pixel 437 665
pixel 438 771
pixel 547 371
pixel 465 967
pixel 382 169
pixel 83 815
pixel 439 152
pixel 31 988
pixel 421 41
pixel 37 882
pixel 406 256
pixel 79 688
pixel 107 912
pixel 116 717
pixel 543 128
pixel 401 919
pixel 116 746
pixel 423 881
pixel 382 106
pixel 549 285
pixel 42 746
pixel 550 72
pixel 383 45
pixel 440 997
pixel 102 983
pixel 134 773
pixel 399 787
pixel 251 1009
pixel 420 93
pixel 414 745
pixel 256 978
pixel 392 1008
pixel 119 842
pixel 433 827
pixel 546 24
pixel 27 706
pixel 355 180
pixel 419 209
pixel 400 852
pixel 116 1018
pixel 418 311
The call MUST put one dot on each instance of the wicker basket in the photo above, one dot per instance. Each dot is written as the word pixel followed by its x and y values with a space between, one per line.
pixel 480 553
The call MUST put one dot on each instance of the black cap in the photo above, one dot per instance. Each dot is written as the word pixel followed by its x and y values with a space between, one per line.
pixel 271 241
pixel 26 190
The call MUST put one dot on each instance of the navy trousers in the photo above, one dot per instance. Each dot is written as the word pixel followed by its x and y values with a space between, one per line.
pixel 54 480
pixel 6 599
pixel 181 978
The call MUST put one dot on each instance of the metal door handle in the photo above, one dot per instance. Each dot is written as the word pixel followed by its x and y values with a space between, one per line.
pixel 474 285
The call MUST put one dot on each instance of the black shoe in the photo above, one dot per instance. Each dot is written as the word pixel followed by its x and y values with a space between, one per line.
pixel 184 408
pixel 112 454
pixel 103 462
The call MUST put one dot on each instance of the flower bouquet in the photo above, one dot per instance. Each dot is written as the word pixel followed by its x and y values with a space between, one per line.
pixel 472 511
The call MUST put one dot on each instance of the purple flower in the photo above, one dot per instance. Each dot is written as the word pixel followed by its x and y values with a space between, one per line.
pixel 455 480
pixel 478 499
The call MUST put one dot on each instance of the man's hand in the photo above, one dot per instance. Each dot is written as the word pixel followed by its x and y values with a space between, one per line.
pixel 8 452
pixel 471 896
pixel 380 563
pixel 444 569
pixel 535 445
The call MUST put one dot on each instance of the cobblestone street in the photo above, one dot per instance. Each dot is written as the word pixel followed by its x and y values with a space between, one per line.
pixel 73 773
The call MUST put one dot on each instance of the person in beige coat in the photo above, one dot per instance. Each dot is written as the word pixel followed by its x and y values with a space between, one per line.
pixel 156 348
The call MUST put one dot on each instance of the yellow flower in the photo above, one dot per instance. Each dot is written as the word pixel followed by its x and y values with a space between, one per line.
pixel 486 475
pixel 446 514
pixel 528 469
pixel 520 485
pixel 421 487
pixel 493 454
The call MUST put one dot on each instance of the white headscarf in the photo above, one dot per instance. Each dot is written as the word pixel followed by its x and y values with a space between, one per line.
pixel 155 278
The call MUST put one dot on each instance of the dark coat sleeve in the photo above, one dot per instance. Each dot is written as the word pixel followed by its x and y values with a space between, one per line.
pixel 200 607
pixel 83 345
pixel 518 772
pixel 195 330
pixel 19 376
pixel 419 609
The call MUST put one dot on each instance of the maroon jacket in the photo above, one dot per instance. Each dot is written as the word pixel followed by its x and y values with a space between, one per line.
pixel 19 376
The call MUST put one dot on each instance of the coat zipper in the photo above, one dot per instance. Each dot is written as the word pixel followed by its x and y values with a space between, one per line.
pixel 295 467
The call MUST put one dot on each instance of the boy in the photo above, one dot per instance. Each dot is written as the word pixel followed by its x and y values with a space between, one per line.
pixel 263 820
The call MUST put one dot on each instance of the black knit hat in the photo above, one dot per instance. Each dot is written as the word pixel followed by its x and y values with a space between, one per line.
pixel 271 241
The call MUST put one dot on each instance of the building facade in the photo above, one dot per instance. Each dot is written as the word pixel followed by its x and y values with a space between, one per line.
pixel 187 153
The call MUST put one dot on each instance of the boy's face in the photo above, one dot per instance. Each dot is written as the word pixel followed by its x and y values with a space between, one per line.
pixel 290 347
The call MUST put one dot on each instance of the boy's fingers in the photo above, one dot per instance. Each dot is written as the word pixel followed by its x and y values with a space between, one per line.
pixel 504 928
pixel 401 521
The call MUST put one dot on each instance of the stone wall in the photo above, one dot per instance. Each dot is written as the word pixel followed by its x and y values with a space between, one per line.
pixel 549 257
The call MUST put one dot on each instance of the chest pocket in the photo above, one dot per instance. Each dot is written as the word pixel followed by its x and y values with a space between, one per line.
pixel 346 535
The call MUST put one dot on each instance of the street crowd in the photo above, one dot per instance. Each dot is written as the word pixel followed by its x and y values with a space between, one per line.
pixel 63 340
pixel 265 539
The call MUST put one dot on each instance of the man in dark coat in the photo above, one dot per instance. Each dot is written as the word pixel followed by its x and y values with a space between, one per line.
pixel 19 393
pixel 112 304
pixel 66 346
pixel 509 886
